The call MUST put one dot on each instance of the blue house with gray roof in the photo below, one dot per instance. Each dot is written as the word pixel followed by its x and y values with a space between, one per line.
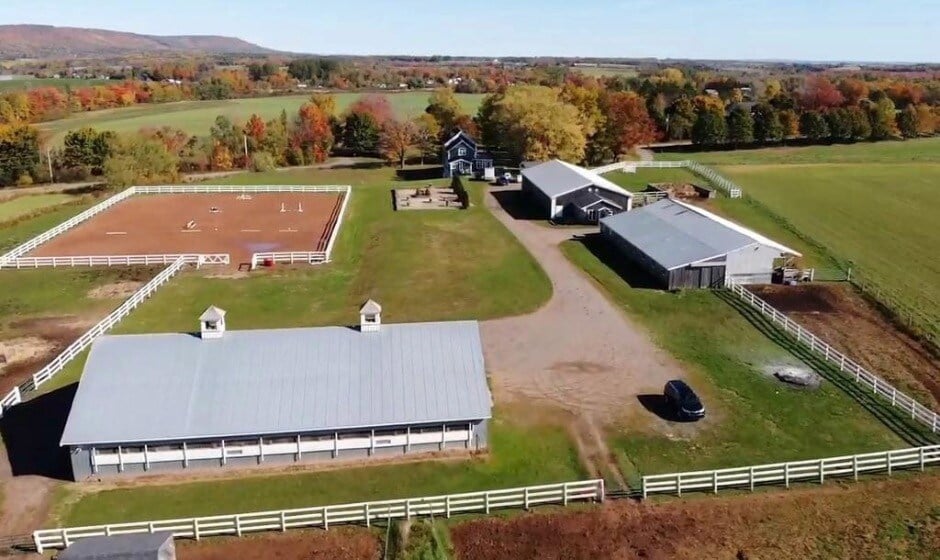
pixel 461 155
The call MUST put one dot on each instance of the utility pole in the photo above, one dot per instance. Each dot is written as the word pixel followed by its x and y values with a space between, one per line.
pixel 49 161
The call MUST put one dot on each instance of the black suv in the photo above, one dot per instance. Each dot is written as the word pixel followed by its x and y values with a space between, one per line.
pixel 683 400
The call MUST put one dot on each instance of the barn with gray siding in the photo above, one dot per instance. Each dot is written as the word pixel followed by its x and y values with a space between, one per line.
pixel 683 246
pixel 144 546
pixel 223 397
pixel 563 191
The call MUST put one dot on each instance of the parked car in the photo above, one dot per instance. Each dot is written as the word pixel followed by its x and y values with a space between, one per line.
pixel 502 181
pixel 683 400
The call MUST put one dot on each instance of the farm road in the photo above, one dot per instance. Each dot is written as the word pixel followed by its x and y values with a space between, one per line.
pixel 579 352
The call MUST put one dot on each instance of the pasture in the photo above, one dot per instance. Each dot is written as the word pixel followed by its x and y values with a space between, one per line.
pixel 925 150
pixel 29 82
pixel 20 206
pixel 196 117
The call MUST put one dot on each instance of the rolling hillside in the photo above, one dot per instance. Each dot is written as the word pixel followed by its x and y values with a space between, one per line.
pixel 45 41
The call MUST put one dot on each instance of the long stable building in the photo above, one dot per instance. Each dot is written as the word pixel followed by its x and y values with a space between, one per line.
pixel 683 246
pixel 175 401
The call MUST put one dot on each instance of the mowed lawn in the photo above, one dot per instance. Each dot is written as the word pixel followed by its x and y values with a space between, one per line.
pixel 196 117
pixel 752 417
pixel 925 150
pixel 20 206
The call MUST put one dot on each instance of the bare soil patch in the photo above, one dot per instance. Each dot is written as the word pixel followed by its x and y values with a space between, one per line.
pixel 429 198
pixel 47 337
pixel 123 290
pixel 335 544
pixel 838 314
pixel 203 223
pixel 879 519
pixel 22 349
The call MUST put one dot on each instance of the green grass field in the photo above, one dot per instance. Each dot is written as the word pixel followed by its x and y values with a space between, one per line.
pixel 33 83
pixel 752 417
pixel 636 182
pixel 873 204
pixel 20 206
pixel 605 71
pixel 196 117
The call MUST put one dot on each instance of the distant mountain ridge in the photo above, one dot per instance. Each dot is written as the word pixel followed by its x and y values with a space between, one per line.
pixel 47 41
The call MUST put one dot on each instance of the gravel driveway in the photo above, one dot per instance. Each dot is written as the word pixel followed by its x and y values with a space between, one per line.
pixel 578 352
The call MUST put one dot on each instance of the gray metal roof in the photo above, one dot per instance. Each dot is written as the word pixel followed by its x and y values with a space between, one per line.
pixel 556 177
pixel 138 388
pixel 675 234
pixel 144 546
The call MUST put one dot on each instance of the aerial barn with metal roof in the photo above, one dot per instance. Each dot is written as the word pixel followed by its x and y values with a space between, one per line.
pixel 563 191
pixel 684 246
pixel 245 397
pixel 143 546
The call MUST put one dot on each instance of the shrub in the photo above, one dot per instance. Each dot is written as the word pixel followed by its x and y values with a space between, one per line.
pixel 24 180
pixel 263 161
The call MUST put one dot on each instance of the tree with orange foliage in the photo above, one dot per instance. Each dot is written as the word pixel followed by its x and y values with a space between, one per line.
pixel 626 124
pixel 254 130
pixel 820 93
pixel 221 159
pixel 311 137
pixel 377 106
pixel 396 139
pixel 853 90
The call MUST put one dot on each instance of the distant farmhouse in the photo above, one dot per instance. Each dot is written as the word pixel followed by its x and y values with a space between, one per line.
pixel 683 246
pixel 461 155
pixel 566 192
pixel 159 402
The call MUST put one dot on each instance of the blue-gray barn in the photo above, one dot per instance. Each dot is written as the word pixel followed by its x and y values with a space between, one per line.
pixel 157 402
pixel 684 246
pixel 566 192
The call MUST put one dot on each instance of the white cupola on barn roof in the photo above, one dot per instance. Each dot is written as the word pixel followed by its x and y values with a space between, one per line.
pixel 370 316
pixel 212 322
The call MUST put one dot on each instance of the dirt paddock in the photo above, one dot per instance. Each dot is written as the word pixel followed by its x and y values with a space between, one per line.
pixel 838 314
pixel 203 223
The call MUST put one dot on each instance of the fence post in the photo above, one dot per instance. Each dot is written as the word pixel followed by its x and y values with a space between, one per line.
pixel 447 506
pixel 196 528
pixel 238 525
pixel 283 521
pixel 855 467
pixel 564 487
pixel 486 502
pixel 786 475
pixel 525 498
pixel 678 484
pixel 326 520
pixel 408 507
pixel 751 475
pixel 822 471
pixel 715 482
pixel 888 455
pixel 365 513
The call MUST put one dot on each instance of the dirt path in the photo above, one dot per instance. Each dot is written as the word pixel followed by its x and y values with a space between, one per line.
pixel 26 500
pixel 578 352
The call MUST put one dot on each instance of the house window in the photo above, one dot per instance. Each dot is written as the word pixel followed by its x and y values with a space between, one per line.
pixel 461 152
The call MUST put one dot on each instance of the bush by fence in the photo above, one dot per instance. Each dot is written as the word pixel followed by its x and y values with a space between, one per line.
pixel 463 197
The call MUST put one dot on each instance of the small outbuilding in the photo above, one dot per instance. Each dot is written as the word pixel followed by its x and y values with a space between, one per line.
pixel 566 192
pixel 144 546
pixel 157 402
pixel 684 246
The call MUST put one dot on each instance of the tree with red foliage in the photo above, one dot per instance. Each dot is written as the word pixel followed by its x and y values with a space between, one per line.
pixel 627 124
pixel 820 93
pixel 311 136
pixel 254 129
pixel 904 94
pixel 377 106
pixel 853 90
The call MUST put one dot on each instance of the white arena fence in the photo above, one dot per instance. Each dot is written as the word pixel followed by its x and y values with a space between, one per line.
pixel 77 347
pixel 114 260
pixel 292 257
pixel 860 375
pixel 11 258
pixel 364 513
pixel 776 474
pixel 65 226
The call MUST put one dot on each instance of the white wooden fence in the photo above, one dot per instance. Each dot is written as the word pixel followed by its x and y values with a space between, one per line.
pixel 853 370
pixel 77 347
pixel 327 516
pixel 625 166
pixel 289 257
pixel 814 470
pixel 729 188
pixel 211 189
pixel 113 260
pixel 65 226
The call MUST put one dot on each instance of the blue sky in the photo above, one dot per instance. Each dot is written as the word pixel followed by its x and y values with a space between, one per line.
pixel 866 30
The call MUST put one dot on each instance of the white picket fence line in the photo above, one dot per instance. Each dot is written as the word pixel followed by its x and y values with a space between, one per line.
pixel 856 372
pixel 212 189
pixel 625 166
pixel 813 470
pixel 65 226
pixel 334 233
pixel 290 257
pixel 327 516
pixel 56 365
pixel 113 260
pixel 729 187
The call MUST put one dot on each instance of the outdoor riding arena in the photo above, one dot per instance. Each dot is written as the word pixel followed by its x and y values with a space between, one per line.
pixel 241 226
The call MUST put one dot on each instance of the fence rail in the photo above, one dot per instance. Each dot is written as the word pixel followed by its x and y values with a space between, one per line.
pixel 814 470
pixel 846 365
pixel 293 257
pixel 59 362
pixel 210 189
pixel 327 516
pixel 113 260
pixel 65 226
